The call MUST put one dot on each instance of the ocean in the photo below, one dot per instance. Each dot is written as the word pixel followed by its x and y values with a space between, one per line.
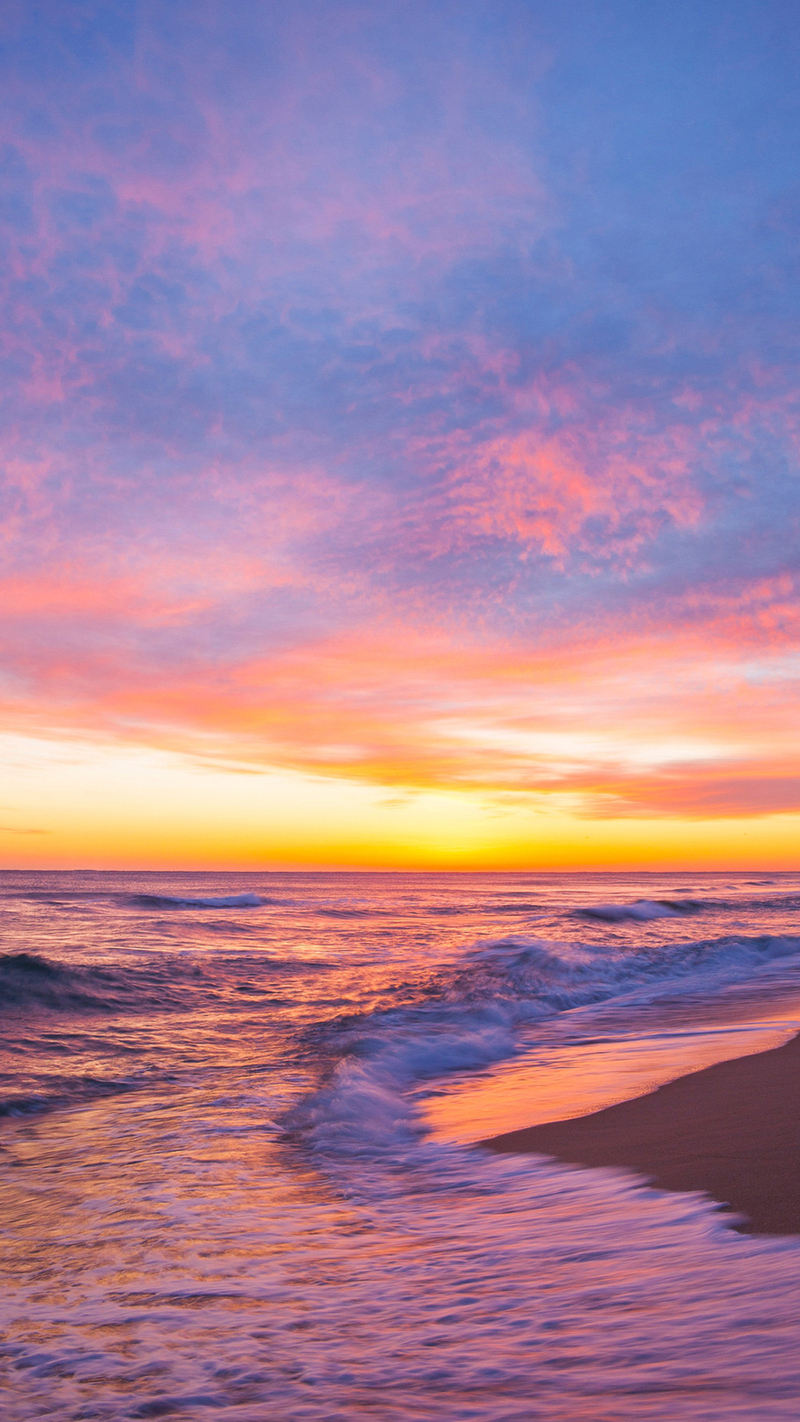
pixel 238 1160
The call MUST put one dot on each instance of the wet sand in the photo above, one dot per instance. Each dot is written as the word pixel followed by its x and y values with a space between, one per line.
pixel 732 1130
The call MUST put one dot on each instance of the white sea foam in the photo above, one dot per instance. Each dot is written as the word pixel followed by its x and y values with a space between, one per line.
pixel 453 1287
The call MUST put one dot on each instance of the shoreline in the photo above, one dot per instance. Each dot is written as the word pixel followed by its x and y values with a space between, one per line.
pixel 731 1130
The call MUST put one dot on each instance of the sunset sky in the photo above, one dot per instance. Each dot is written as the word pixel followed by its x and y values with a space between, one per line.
pixel 400 433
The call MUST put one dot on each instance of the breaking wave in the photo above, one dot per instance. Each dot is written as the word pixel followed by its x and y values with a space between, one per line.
pixel 472 1019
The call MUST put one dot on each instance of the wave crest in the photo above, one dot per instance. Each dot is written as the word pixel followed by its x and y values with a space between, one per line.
pixel 167 901
pixel 642 911
pixel 472 1020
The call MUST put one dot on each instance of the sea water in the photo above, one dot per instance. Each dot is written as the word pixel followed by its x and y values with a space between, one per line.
pixel 238 1165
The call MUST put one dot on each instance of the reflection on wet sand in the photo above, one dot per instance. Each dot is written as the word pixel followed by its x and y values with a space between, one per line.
pixel 559 1082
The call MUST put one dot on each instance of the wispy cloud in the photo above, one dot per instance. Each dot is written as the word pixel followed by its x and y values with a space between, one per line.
pixel 369 377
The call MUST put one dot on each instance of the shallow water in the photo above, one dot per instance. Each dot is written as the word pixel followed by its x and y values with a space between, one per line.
pixel 236 1170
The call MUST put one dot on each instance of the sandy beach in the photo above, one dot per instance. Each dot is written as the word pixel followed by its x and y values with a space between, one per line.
pixel 732 1130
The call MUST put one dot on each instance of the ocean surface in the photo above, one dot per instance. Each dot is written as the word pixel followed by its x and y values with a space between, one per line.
pixel 238 1163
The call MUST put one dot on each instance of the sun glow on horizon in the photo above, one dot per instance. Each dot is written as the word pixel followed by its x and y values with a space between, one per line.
pixel 71 805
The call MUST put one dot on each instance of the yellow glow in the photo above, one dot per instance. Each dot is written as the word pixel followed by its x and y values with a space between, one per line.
pixel 75 804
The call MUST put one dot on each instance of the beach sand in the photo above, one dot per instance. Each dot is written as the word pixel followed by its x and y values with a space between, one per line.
pixel 732 1130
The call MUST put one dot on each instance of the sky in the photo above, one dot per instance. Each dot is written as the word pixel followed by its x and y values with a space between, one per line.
pixel 399 434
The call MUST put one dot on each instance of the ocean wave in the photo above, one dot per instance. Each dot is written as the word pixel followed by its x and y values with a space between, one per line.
pixel 28 980
pixel 781 903
pixel 472 1020
pixel 642 911
pixel 165 983
pixel 162 901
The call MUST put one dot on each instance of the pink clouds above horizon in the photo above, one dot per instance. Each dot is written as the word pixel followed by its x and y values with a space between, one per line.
pixel 407 395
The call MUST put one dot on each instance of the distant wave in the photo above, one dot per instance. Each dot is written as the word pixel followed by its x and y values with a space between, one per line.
pixel 779 902
pixel 184 901
pixel 99 895
pixel 641 911
pixel 645 910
